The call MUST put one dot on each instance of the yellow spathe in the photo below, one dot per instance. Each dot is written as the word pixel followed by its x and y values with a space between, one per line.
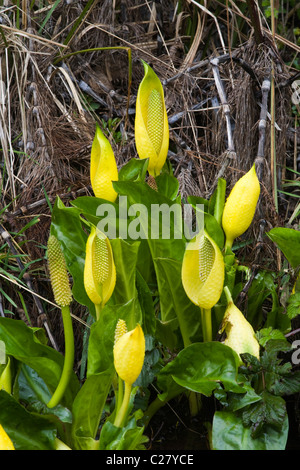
pixel 203 271
pixel 99 268
pixel 129 354
pixel 103 167
pixel 240 206
pixel 240 335
pixel 151 122
pixel 5 441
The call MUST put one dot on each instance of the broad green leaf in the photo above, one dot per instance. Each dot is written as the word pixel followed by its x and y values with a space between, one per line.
pixel 167 185
pixel 21 342
pixel 229 433
pixel 174 302
pixel 164 235
pixel 33 391
pixel 125 257
pixel 288 240
pixel 201 366
pixel 88 407
pixel 28 431
pixel 134 170
pixel 270 410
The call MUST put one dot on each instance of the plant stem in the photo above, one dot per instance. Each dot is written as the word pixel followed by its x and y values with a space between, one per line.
pixel 120 418
pixel 228 294
pixel 206 324
pixel 69 358
pixel 120 395
pixel 98 308
pixel 228 244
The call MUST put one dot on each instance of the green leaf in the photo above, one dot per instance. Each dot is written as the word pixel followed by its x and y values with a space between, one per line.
pixel 167 185
pixel 270 410
pixel 129 437
pixel 288 240
pixel 293 307
pixel 33 391
pixel 265 334
pixel 27 431
pixel 229 433
pixel 134 170
pixel 174 302
pixel 201 366
pixel 88 406
pixel 125 257
pixel 22 343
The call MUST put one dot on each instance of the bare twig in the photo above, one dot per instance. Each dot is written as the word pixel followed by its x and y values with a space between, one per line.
pixel 259 161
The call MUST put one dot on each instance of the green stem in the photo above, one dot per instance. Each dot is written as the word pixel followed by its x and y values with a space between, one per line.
pixel 120 395
pixel 98 308
pixel 220 200
pixel 69 358
pixel 228 294
pixel 120 418
pixel 206 324
pixel 228 244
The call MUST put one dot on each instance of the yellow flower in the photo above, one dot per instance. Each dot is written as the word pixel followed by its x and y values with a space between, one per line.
pixel 99 268
pixel 5 441
pixel 58 273
pixel 203 271
pixel 240 335
pixel 240 206
pixel 129 353
pixel 103 168
pixel 151 122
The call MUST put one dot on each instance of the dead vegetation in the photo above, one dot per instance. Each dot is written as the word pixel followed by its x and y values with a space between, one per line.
pixel 56 82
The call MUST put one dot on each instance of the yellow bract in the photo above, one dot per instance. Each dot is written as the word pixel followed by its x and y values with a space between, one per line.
pixel 129 353
pixel 103 168
pixel 58 273
pixel 240 335
pixel 240 206
pixel 99 268
pixel 5 441
pixel 151 122
pixel 203 271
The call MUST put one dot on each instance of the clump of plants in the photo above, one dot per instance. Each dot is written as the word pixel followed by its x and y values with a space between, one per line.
pixel 163 309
